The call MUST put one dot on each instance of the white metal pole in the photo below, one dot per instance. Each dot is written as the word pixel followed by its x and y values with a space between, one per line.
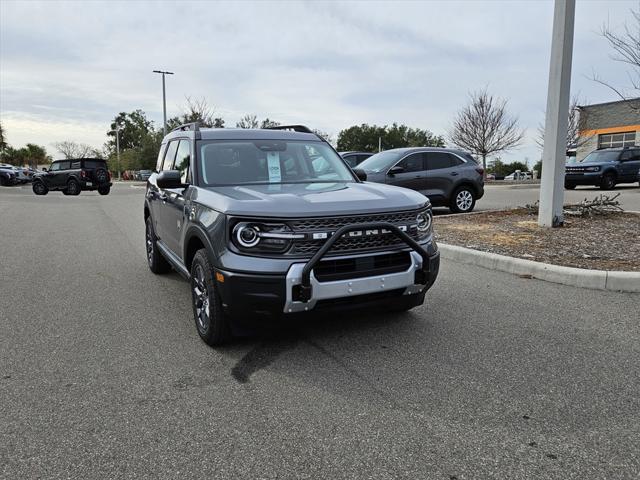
pixel 555 131
pixel 118 150
pixel 164 108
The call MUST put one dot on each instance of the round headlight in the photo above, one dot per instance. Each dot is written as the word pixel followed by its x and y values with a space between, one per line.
pixel 247 235
pixel 423 219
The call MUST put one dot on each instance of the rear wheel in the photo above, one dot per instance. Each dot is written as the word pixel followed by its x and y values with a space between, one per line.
pixel 463 200
pixel 211 321
pixel 104 190
pixel 73 187
pixel 608 181
pixel 39 188
pixel 157 263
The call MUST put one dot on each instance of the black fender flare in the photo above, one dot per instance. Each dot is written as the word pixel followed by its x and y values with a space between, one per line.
pixel 197 231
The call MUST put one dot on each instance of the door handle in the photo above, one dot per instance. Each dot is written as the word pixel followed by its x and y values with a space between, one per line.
pixel 453 174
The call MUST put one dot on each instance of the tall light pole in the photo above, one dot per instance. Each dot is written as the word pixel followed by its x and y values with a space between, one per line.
pixel 164 101
pixel 555 130
pixel 117 149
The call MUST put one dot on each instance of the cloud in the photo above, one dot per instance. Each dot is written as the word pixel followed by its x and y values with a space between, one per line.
pixel 67 68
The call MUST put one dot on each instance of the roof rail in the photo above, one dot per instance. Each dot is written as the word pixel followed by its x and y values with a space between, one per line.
pixel 294 128
pixel 195 126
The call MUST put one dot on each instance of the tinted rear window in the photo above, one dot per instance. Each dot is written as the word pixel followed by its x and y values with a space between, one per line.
pixel 94 164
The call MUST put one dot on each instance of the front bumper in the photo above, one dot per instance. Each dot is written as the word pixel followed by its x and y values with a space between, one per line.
pixel 248 294
pixel 587 178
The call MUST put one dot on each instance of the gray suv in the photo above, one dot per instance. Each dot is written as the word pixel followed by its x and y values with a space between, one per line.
pixel 274 223
pixel 448 177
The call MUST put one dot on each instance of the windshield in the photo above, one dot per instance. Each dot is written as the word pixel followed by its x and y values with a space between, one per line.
pixel 381 161
pixel 270 162
pixel 601 156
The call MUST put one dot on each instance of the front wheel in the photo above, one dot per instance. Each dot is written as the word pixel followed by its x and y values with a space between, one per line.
pixel 211 321
pixel 104 190
pixel 463 200
pixel 608 181
pixel 39 188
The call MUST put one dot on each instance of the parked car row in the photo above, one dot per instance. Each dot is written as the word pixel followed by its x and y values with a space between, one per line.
pixel 13 175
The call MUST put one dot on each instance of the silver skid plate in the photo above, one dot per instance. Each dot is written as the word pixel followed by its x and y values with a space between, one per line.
pixel 350 287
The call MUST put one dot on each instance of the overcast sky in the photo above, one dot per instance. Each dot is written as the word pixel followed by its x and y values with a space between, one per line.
pixel 67 68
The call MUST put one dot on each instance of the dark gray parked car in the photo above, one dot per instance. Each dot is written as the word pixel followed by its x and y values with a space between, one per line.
pixel 449 177
pixel 273 223
pixel 355 158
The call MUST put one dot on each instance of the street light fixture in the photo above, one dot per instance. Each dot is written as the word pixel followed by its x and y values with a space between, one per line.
pixel 117 132
pixel 164 101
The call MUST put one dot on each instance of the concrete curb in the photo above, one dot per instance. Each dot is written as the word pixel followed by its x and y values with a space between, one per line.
pixel 575 277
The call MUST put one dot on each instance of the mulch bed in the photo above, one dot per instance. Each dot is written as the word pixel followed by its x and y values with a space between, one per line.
pixel 601 242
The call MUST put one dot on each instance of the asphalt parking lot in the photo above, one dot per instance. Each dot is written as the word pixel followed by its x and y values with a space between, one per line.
pixel 102 374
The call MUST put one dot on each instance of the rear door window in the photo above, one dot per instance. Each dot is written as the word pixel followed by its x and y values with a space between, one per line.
pixel 440 160
pixel 75 164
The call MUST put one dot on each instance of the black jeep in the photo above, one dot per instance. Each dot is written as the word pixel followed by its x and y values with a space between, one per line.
pixel 73 176
pixel 274 222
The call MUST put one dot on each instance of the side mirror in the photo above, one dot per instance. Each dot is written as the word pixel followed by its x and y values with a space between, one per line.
pixel 361 174
pixel 393 170
pixel 169 179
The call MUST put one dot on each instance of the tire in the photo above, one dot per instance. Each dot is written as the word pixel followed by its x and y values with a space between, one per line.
pixel 101 176
pixel 212 323
pixel 73 187
pixel 608 181
pixel 39 188
pixel 104 190
pixel 157 263
pixel 3 182
pixel 463 200
pixel 570 186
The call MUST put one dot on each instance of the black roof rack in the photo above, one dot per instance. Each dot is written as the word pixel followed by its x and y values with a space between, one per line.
pixel 294 128
pixel 195 126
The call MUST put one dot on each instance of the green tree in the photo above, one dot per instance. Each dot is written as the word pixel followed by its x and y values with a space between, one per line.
pixel 366 137
pixel 133 128
pixel 3 140
pixel 538 168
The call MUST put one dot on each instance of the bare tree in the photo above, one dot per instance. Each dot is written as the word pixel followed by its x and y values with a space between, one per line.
pixel 574 139
pixel 626 48
pixel 267 123
pixel 199 111
pixel 71 149
pixel 248 121
pixel 484 127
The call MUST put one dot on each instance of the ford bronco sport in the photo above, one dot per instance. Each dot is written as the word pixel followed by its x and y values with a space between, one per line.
pixel 73 176
pixel 273 222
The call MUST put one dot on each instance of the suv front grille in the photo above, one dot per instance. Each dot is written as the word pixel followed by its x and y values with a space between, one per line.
pixel 347 244
pixel 359 267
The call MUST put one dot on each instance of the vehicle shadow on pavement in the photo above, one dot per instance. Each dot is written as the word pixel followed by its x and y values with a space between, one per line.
pixel 268 343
